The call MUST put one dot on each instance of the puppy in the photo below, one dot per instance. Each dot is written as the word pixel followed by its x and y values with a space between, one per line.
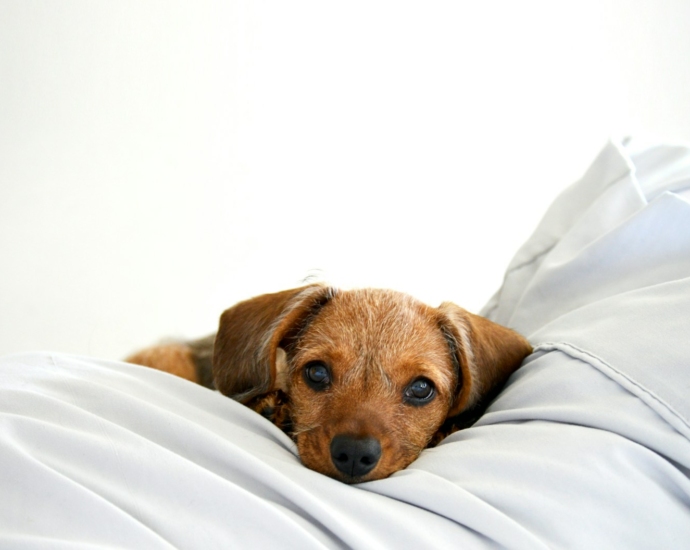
pixel 363 380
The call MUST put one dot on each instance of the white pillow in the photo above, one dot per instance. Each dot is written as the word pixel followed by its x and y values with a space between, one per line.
pixel 586 447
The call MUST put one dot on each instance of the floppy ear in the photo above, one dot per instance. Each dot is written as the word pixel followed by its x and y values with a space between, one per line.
pixel 487 354
pixel 247 360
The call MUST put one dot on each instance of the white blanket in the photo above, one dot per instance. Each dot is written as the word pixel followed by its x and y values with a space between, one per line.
pixel 587 446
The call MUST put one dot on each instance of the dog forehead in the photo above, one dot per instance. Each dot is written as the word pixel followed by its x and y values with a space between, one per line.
pixel 377 321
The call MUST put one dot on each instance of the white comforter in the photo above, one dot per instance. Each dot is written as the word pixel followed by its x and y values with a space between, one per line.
pixel 587 446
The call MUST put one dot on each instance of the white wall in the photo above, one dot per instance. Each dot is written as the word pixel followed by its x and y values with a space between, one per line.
pixel 162 160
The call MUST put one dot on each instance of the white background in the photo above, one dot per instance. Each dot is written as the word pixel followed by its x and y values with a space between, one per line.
pixel 160 161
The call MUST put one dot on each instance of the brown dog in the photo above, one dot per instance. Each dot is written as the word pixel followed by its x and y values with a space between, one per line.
pixel 363 380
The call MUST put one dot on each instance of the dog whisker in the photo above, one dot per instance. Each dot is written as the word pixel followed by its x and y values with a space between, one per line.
pixel 304 429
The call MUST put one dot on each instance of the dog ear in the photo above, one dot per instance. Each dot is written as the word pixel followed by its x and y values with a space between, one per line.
pixel 247 360
pixel 486 353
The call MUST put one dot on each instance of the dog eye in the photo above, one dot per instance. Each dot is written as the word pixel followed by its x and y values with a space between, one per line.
pixel 420 392
pixel 317 375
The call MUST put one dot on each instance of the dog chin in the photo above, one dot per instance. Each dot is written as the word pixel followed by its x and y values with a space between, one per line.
pixel 350 480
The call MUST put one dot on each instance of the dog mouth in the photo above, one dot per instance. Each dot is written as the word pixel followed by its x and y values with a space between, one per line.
pixel 357 448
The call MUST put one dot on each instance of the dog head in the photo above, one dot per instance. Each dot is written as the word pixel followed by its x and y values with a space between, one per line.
pixel 370 375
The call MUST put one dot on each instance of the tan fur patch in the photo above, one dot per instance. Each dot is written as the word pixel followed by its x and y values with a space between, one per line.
pixel 176 359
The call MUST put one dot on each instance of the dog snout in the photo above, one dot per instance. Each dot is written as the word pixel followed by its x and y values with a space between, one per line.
pixel 355 456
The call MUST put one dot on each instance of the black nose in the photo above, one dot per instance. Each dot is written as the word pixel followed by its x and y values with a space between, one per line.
pixel 355 456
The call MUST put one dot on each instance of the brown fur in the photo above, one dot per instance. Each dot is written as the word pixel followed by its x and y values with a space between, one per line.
pixel 176 359
pixel 375 343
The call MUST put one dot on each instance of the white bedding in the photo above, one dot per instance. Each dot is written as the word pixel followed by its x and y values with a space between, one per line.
pixel 588 446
